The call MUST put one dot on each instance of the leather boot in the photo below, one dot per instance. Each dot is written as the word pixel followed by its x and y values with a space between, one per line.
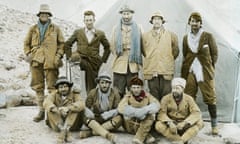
pixel 40 116
pixel 213 114
pixel 85 133
pixel 61 137
pixel 69 137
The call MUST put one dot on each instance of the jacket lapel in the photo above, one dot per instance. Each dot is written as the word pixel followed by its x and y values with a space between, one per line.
pixel 201 41
pixel 95 37
pixel 83 34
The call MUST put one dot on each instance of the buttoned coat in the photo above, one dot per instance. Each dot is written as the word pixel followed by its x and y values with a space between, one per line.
pixel 207 55
pixel 49 49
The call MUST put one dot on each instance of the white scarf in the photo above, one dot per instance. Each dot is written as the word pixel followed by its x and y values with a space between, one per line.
pixel 193 43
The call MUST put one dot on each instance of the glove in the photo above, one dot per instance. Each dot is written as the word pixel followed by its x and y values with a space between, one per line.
pixel 152 108
pixel 182 125
pixel 172 127
pixel 54 110
pixel 141 113
pixel 58 62
pixel 88 113
pixel 28 58
pixel 75 57
pixel 129 111
pixel 109 114
pixel 64 111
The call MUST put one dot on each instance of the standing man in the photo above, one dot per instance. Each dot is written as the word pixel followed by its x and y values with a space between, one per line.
pixel 64 110
pixel 200 56
pixel 179 118
pixel 44 48
pixel 138 109
pixel 161 49
pixel 88 46
pixel 102 102
pixel 127 49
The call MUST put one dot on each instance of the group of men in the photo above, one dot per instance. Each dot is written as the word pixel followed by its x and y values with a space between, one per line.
pixel 169 107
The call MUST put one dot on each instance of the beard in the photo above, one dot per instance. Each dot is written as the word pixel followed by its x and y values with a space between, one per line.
pixel 177 96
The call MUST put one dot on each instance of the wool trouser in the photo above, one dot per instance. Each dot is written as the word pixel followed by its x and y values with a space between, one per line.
pixel 189 133
pixel 140 128
pixel 159 86
pixel 74 120
pixel 91 73
pixel 39 75
pixel 207 88
pixel 121 81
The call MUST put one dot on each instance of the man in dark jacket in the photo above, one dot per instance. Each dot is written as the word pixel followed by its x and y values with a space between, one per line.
pixel 88 42
pixel 200 56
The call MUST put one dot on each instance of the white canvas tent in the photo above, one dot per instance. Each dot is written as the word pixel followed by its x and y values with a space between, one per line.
pixel 219 17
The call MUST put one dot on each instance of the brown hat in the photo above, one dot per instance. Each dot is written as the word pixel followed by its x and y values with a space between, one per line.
pixel 126 8
pixel 157 14
pixel 135 81
pixel 44 8
pixel 195 15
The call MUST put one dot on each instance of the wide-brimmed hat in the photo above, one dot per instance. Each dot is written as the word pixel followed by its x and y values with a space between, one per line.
pixel 44 8
pixel 126 8
pixel 157 14
pixel 195 15
pixel 63 80
pixel 104 76
pixel 179 82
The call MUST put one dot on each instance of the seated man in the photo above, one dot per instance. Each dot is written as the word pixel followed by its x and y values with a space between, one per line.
pixel 179 118
pixel 66 111
pixel 138 109
pixel 102 103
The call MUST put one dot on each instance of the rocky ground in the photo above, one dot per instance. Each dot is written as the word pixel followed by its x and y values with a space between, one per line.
pixel 17 127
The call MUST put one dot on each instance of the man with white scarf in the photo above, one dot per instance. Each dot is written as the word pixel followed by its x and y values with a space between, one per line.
pixel 200 56
pixel 102 103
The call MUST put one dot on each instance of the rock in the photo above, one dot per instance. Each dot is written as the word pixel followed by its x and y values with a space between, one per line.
pixel 9 66
pixel 3 101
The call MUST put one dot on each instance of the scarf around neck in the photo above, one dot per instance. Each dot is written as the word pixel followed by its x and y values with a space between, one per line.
pixel 140 97
pixel 135 50
pixel 103 99
pixel 42 29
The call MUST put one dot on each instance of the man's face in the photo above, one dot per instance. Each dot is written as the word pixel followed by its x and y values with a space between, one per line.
pixel 89 21
pixel 44 17
pixel 157 22
pixel 104 85
pixel 177 92
pixel 127 16
pixel 64 89
pixel 136 89
pixel 195 25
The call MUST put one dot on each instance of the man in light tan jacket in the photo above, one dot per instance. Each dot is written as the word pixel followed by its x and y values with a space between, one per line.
pixel 160 47
pixel 179 118
pixel 43 47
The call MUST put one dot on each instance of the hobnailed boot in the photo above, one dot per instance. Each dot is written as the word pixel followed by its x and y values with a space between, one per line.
pixel 69 137
pixel 213 114
pixel 61 137
pixel 85 133
pixel 98 129
pixel 136 141
pixel 40 116
pixel 150 139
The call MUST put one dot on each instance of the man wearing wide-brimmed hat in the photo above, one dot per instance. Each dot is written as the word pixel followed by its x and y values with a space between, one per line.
pixel 43 47
pixel 160 47
pixel 179 118
pixel 102 101
pixel 126 48
pixel 200 54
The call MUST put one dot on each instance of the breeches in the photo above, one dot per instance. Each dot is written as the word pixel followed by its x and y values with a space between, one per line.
pixel 39 75
pixel 207 88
